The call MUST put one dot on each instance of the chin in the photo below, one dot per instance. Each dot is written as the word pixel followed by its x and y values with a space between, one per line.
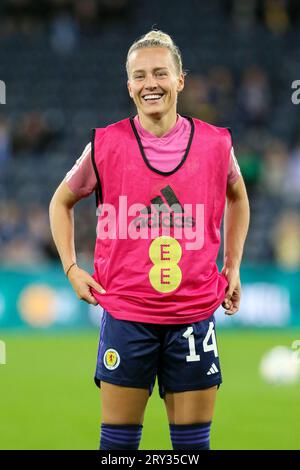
pixel 155 113
pixel 155 109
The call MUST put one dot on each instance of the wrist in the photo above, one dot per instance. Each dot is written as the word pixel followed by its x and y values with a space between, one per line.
pixel 69 268
pixel 232 263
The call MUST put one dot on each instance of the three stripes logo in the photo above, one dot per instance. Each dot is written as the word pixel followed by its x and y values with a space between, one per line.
pixel 213 369
pixel 159 214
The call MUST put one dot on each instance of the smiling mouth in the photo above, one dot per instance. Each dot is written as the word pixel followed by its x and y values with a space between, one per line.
pixel 152 97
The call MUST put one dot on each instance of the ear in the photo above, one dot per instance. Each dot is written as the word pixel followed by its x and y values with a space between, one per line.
pixel 129 89
pixel 180 85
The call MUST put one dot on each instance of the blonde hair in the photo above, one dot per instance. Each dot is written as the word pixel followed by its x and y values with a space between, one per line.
pixel 156 38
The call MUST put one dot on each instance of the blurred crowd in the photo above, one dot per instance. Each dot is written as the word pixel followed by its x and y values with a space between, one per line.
pixel 29 16
pixel 25 237
pixel 269 161
pixel 276 15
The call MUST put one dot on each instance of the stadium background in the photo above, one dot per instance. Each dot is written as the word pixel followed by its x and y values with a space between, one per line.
pixel 63 65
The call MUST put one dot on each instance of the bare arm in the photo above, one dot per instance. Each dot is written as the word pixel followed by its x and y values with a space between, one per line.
pixel 62 223
pixel 236 223
pixel 61 214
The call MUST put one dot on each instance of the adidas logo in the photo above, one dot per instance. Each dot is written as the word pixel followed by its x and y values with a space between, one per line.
pixel 213 369
pixel 158 219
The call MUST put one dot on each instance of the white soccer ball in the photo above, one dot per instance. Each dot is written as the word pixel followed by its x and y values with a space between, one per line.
pixel 280 366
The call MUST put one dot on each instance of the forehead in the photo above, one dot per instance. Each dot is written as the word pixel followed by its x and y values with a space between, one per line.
pixel 149 58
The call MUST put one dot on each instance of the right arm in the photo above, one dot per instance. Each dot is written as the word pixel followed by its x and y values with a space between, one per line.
pixel 61 214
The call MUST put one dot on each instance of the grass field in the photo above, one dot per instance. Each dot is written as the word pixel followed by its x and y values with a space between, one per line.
pixel 48 399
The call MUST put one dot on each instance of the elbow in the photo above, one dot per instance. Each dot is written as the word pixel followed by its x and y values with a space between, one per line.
pixel 52 208
pixel 63 198
pixel 52 202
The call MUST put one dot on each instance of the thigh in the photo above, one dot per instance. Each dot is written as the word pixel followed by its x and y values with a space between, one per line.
pixel 189 360
pixel 123 405
pixel 191 407
pixel 127 355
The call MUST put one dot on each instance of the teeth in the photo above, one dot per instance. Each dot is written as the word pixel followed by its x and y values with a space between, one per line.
pixel 152 97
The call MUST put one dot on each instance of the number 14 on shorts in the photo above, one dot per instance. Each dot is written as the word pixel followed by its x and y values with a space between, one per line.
pixel 188 334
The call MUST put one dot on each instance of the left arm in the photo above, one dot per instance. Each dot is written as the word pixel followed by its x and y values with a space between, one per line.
pixel 236 223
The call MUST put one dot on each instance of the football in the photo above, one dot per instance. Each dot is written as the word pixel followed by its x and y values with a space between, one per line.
pixel 280 366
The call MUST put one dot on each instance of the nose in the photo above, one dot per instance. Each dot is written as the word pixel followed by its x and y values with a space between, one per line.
pixel 150 82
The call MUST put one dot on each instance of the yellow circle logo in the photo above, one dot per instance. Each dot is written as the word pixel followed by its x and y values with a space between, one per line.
pixel 111 359
pixel 165 253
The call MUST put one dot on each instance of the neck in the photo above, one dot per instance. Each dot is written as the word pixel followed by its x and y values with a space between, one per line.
pixel 159 125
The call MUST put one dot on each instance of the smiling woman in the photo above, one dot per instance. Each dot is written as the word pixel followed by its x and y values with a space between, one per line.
pixel 158 291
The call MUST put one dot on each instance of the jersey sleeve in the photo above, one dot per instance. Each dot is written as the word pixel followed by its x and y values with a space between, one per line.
pixel 81 179
pixel 234 171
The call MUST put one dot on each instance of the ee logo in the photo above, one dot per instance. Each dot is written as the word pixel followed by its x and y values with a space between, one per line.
pixel 165 253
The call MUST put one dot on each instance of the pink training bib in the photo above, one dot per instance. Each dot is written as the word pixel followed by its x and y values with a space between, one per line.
pixel 158 233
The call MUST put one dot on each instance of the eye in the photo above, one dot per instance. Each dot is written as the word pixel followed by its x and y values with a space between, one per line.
pixel 161 74
pixel 138 77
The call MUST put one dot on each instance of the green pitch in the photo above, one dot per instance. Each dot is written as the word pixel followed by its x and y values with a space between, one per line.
pixel 48 399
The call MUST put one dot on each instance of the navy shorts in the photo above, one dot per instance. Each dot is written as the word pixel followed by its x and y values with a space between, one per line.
pixel 183 357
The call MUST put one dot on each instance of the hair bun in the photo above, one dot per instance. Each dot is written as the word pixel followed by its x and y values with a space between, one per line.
pixel 158 35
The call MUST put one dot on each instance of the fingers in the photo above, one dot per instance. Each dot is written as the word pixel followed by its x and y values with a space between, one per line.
pixel 96 286
pixel 87 296
pixel 91 300
pixel 227 304
pixel 82 282
pixel 232 305
pixel 228 298
pixel 79 277
pixel 232 310
pixel 231 301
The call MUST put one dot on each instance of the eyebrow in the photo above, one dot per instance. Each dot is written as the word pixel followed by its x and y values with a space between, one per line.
pixel 155 70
